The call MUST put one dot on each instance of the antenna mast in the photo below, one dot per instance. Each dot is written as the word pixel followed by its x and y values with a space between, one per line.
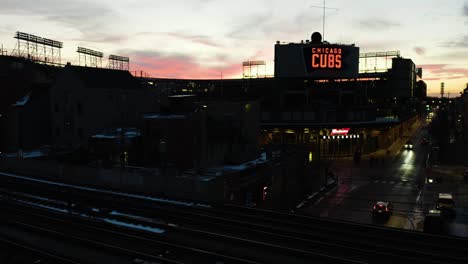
pixel 324 7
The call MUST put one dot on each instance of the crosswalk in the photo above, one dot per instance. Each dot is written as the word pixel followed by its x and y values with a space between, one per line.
pixel 395 182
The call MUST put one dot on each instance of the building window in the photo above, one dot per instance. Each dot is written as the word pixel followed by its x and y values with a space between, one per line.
pixel 247 108
pixel 80 133
pixel 309 116
pixel 66 95
pixel 297 115
pixel 265 115
pixel 79 108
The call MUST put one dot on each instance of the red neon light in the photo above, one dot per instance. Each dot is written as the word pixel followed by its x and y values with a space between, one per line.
pixel 340 131
pixel 327 58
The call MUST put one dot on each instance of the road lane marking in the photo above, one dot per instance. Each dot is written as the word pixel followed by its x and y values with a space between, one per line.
pixel 318 201
pixel 419 196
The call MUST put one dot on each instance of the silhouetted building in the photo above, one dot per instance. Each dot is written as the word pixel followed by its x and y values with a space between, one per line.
pixel 465 114
pixel 117 146
pixel 421 90
pixel 403 78
pixel 85 101
pixel 27 121
pixel 202 134
pixel 24 103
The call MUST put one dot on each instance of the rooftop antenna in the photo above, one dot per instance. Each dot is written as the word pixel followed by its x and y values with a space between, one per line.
pixel 324 7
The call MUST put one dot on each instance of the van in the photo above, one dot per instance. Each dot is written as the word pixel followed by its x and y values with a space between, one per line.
pixel 434 223
pixel 445 204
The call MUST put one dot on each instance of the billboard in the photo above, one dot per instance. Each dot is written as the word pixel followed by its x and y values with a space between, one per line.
pixel 317 61
pixel 340 131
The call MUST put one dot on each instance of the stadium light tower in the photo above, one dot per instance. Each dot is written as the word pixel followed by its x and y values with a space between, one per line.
pixel 324 7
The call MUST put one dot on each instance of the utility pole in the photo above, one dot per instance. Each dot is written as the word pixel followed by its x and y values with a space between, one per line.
pixel 442 89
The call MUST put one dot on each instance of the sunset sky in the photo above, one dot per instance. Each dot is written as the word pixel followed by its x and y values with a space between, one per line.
pixel 210 38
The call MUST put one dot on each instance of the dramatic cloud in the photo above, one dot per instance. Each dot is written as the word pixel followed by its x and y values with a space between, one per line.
pixel 68 12
pixel 203 3
pixel 199 39
pixel 93 20
pixel 443 72
pixel 167 65
pixel 377 24
pixel 247 25
pixel 266 24
pixel 419 50
pixel 461 43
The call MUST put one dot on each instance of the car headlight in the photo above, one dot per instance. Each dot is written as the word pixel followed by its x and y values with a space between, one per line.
pixel 406 145
pixel 430 180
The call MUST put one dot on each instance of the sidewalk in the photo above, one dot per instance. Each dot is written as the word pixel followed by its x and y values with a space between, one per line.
pixel 393 149
pixel 397 146
pixel 317 196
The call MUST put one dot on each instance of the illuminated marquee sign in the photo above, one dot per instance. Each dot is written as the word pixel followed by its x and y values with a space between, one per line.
pixel 316 61
pixel 340 131
pixel 326 58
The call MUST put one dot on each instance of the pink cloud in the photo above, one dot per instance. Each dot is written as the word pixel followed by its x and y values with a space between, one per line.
pixel 184 68
pixel 443 72
pixel 429 67
pixel 419 50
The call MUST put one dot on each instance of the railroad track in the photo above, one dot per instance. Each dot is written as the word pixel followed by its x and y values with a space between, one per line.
pixel 351 242
pixel 13 252
pixel 251 250
pixel 119 240
pixel 67 246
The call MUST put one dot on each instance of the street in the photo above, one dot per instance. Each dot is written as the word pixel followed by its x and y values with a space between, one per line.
pixel 397 177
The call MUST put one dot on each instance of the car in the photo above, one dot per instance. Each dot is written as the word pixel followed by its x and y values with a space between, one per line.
pixel 430 180
pixel 465 176
pixel 424 142
pixel 409 145
pixel 445 204
pixel 382 209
